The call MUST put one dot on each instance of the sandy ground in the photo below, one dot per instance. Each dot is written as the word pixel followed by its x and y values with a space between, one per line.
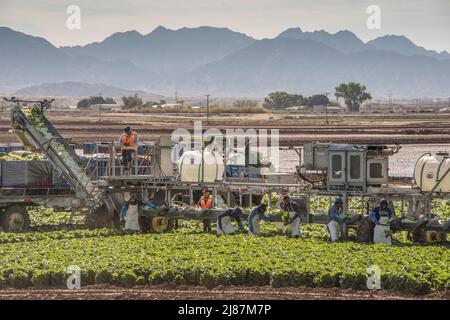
pixel 219 293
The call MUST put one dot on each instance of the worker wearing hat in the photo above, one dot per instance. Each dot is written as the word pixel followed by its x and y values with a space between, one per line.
pixel 293 218
pixel 128 141
pixel 130 212
pixel 382 216
pixel 206 202
pixel 224 224
pixel 336 220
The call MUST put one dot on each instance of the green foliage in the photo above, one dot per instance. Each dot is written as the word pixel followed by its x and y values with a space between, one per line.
pixel 187 256
pixel 282 100
pixel 353 93
pixel 441 208
pixel 316 100
pixel 245 104
pixel 204 259
pixel 132 101
pixel 128 279
pixel 86 103
pixel 40 279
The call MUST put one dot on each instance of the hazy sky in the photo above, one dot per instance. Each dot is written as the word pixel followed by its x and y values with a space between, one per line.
pixel 426 22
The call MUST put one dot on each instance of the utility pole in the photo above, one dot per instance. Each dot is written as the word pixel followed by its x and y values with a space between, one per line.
pixel 99 109
pixel 326 108
pixel 390 99
pixel 207 108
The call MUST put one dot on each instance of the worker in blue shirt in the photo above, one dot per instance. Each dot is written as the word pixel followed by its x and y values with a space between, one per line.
pixel 224 225
pixel 258 213
pixel 336 220
pixel 382 216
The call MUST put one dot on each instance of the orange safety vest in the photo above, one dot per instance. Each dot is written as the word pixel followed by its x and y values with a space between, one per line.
pixel 206 204
pixel 129 141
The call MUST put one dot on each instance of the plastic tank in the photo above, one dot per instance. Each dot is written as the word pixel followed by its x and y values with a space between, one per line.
pixel 430 169
pixel 193 168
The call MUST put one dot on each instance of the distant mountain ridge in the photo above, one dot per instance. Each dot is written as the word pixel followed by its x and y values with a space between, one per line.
pixel 166 50
pixel 80 89
pixel 225 63
pixel 344 41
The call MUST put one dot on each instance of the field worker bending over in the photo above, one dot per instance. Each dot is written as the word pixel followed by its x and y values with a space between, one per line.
pixel 224 225
pixel 382 217
pixel 206 202
pixel 258 213
pixel 336 222
pixel 131 212
pixel 293 219
pixel 128 141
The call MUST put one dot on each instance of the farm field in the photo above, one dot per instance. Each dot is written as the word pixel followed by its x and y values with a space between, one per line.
pixel 80 126
pixel 189 264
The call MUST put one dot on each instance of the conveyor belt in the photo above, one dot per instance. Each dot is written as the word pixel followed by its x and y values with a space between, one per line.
pixel 45 136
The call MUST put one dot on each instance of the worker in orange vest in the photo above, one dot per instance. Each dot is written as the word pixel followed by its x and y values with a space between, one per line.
pixel 206 202
pixel 128 141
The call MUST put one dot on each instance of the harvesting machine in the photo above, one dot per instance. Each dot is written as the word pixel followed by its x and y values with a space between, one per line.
pixel 324 169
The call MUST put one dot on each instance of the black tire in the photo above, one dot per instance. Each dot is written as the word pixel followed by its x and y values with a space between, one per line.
pixel 420 236
pixel 99 218
pixel 417 236
pixel 15 219
pixel 161 224
pixel 365 230
pixel 144 223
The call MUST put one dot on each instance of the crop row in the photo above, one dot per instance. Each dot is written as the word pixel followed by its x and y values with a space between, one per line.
pixel 203 259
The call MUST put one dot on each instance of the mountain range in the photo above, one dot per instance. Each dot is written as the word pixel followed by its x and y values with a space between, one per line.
pixel 195 61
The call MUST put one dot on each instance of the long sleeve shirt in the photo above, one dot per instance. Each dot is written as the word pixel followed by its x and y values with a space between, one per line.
pixel 334 214
pixel 256 211
pixel 123 210
pixel 232 213
pixel 377 212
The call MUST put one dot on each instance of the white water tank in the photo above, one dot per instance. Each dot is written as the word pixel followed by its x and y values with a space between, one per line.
pixel 193 168
pixel 430 169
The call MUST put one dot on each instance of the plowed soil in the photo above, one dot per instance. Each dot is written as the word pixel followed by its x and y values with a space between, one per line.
pixel 80 127
pixel 219 293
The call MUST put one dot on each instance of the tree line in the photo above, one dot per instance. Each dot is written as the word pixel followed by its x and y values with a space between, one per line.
pixel 354 94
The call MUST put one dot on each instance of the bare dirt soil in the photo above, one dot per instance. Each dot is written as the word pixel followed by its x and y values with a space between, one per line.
pixel 219 293
pixel 80 127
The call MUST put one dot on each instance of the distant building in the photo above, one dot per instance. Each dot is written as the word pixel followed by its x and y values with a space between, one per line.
pixel 104 106
pixel 334 109
pixel 171 105
pixel 329 109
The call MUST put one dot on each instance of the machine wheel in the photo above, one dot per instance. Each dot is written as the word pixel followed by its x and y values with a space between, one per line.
pixel 365 230
pixel 15 219
pixel 99 218
pixel 161 224
pixel 422 236
pixel 417 236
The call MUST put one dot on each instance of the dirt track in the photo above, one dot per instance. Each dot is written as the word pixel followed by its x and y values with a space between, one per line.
pixel 220 293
